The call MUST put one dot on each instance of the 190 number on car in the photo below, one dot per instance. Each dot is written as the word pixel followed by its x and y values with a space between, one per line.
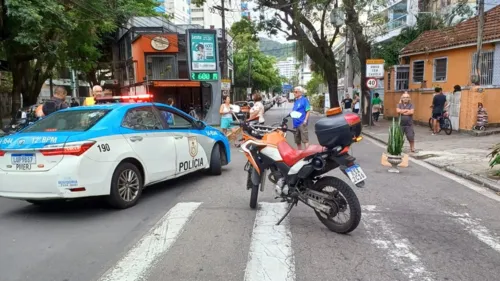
pixel 104 147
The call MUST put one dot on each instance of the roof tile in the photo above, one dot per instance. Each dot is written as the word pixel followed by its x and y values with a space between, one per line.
pixel 460 34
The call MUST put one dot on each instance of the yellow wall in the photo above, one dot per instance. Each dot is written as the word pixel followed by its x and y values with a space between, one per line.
pixel 468 107
pixel 458 71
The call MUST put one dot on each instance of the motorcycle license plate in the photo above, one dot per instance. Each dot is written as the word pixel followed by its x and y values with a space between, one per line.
pixel 356 174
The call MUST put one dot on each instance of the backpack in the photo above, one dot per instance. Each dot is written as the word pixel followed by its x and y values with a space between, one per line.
pixel 51 106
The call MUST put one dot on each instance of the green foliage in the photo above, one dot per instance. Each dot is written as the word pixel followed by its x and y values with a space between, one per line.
pixel 264 75
pixel 276 49
pixel 244 32
pixel 495 156
pixel 396 138
pixel 312 87
pixel 39 35
pixel 318 103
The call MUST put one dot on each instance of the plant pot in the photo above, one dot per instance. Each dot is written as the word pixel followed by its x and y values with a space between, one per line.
pixel 394 160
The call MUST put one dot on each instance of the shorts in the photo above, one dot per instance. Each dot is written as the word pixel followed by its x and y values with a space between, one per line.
pixel 301 135
pixel 225 122
pixel 409 132
pixel 436 115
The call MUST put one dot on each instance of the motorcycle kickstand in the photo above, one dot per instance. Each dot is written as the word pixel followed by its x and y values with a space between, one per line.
pixel 294 203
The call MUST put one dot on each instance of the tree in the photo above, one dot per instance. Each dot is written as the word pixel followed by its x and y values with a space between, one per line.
pixel 307 22
pixel 248 59
pixel 42 34
pixel 312 87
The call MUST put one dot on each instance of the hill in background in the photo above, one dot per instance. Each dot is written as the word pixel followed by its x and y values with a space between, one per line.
pixel 276 49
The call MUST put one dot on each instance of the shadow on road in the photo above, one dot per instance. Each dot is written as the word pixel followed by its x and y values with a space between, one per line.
pixel 93 207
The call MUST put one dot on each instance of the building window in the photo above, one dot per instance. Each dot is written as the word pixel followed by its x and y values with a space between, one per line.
pixel 161 67
pixel 486 64
pixel 402 77
pixel 197 18
pixel 440 69
pixel 418 71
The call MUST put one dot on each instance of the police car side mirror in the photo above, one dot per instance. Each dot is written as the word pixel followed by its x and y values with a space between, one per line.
pixel 200 125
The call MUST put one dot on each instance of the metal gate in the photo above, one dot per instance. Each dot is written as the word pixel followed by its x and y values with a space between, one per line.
pixel 454 100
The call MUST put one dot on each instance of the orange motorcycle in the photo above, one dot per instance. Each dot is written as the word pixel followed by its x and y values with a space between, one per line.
pixel 299 175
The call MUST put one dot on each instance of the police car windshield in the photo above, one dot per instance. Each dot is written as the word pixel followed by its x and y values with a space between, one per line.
pixel 68 121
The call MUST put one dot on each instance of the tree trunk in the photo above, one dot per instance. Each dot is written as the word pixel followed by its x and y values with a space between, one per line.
pixel 332 82
pixel 17 86
pixel 364 53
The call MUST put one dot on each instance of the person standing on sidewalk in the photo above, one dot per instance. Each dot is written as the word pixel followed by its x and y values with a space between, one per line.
pixel 376 106
pixel 439 103
pixel 301 105
pixel 347 103
pixel 405 109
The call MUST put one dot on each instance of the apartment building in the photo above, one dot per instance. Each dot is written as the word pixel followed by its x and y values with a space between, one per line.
pixel 208 17
pixel 287 68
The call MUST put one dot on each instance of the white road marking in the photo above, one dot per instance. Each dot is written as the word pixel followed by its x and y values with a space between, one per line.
pixel 481 190
pixel 474 227
pixel 271 256
pixel 399 249
pixel 156 242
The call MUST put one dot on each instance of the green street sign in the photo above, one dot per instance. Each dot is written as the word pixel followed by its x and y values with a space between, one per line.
pixel 204 76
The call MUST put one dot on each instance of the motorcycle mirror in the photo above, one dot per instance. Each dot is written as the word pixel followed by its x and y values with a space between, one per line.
pixel 295 114
pixel 235 108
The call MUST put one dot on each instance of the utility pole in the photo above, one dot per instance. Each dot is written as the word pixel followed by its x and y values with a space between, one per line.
pixel 224 43
pixel 480 28
pixel 249 69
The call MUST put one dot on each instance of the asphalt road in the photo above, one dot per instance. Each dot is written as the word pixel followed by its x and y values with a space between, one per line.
pixel 417 225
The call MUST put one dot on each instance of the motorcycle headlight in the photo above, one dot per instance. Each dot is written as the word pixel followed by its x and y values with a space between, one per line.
pixel 13 126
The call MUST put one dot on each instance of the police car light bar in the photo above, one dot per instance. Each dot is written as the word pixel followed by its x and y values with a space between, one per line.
pixel 133 98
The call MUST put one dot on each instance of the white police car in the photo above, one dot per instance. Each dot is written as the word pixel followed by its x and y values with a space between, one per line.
pixel 112 150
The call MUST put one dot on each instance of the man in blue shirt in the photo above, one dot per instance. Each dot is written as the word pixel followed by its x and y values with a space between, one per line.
pixel 301 105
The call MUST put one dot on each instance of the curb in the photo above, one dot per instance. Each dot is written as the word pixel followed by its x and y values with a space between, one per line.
pixel 451 169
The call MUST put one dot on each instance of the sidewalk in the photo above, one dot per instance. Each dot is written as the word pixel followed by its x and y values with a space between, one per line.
pixel 461 154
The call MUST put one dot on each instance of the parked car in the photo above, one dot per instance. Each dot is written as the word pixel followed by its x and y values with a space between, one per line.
pixel 113 150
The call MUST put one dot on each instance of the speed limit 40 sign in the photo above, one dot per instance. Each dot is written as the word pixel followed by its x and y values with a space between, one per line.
pixel 371 83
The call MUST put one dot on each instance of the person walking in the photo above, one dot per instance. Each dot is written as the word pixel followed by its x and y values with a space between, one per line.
pixel 226 114
pixel 257 110
pixel 301 105
pixel 406 110
pixel 376 106
pixel 438 106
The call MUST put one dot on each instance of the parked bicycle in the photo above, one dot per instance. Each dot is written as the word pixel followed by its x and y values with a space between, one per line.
pixel 444 123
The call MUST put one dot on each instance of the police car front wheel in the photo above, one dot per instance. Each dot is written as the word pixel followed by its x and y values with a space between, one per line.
pixel 126 186
pixel 216 161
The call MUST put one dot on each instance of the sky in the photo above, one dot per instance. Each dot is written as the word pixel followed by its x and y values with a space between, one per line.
pixel 255 17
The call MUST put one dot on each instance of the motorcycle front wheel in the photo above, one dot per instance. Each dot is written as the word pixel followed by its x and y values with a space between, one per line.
pixel 344 202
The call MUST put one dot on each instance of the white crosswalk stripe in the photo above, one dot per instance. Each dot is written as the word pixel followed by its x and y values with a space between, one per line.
pixel 271 256
pixel 270 253
pixel 399 249
pixel 474 227
pixel 155 243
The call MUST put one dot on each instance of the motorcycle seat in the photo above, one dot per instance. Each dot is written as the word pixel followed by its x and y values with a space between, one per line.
pixel 291 155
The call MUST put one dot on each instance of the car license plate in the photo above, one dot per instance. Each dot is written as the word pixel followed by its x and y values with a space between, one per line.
pixel 356 174
pixel 25 158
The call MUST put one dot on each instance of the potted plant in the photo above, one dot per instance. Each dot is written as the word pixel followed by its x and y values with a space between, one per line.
pixel 395 146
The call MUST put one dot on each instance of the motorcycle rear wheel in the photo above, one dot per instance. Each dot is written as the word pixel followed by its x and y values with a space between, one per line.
pixel 351 199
